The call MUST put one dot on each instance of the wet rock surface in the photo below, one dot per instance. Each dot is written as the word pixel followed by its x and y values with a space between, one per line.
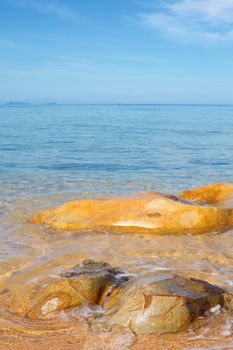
pixel 84 283
pixel 155 303
pixel 161 303
pixel 197 211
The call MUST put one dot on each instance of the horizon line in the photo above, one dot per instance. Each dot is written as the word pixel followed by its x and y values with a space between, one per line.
pixel 53 104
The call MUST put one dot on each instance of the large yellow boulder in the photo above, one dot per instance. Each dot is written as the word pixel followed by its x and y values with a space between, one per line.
pixel 196 211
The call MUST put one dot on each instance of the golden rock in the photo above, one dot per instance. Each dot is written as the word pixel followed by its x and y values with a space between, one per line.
pixel 197 211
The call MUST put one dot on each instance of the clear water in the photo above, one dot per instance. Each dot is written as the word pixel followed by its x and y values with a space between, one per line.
pixel 113 148
pixel 52 154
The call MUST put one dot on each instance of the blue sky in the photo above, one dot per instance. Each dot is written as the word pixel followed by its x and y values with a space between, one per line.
pixel 110 51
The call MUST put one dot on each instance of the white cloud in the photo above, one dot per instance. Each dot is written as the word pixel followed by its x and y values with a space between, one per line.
pixel 45 6
pixel 190 20
pixel 207 10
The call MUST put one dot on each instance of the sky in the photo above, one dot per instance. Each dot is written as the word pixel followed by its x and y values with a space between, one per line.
pixel 116 51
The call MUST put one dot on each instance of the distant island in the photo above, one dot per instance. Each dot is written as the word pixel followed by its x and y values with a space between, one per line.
pixel 15 103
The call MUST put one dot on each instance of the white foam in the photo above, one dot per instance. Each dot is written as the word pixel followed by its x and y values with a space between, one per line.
pixel 64 316
pixel 87 311
pixel 226 333
pixel 110 341
pixel 216 308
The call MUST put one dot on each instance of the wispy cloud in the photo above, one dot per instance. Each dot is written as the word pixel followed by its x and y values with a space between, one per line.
pixel 46 6
pixel 189 20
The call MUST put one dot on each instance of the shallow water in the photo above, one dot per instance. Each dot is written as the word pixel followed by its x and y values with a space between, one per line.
pixel 53 154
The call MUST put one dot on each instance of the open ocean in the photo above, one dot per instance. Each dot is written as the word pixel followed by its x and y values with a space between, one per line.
pixel 47 150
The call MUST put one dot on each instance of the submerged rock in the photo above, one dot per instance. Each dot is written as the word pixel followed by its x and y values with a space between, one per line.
pixel 161 303
pixel 155 211
pixel 82 284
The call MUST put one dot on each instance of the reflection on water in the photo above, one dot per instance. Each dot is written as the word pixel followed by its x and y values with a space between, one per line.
pixel 54 154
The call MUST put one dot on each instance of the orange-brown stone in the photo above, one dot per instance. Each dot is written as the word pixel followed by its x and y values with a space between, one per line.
pixel 220 194
pixel 206 210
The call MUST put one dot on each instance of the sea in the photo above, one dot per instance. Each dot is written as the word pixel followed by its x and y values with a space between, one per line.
pixel 54 153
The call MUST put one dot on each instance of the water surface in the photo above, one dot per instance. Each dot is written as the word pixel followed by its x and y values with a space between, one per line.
pixel 53 154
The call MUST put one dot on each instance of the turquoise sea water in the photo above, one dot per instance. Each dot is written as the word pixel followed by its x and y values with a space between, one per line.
pixel 103 149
